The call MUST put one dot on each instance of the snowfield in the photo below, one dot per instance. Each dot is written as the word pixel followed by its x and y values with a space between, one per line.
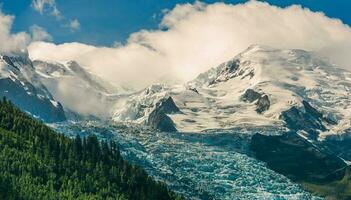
pixel 250 91
pixel 214 99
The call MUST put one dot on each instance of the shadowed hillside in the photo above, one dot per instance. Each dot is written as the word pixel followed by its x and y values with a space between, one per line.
pixel 38 163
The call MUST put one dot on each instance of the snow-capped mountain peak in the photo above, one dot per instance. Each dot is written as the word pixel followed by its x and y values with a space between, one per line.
pixel 71 83
pixel 257 86
pixel 20 84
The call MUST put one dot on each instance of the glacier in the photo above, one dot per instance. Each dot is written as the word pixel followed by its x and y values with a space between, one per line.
pixel 213 165
pixel 262 90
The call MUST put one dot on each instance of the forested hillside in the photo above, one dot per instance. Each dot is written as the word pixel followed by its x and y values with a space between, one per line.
pixel 38 163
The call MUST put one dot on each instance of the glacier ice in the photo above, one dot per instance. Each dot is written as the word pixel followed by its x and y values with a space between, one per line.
pixel 214 165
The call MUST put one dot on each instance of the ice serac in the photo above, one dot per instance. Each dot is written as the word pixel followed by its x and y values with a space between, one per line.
pixel 20 84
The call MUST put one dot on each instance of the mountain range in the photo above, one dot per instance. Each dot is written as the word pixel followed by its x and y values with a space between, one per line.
pixel 261 87
pixel 294 105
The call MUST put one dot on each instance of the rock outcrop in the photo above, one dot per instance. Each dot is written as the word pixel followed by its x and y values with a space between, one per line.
pixel 263 103
pixel 250 95
pixel 167 106
pixel 306 118
pixel 158 118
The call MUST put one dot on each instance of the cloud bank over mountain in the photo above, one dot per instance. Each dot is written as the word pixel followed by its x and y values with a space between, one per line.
pixel 194 37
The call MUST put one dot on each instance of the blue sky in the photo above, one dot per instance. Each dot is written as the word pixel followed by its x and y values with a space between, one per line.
pixel 103 22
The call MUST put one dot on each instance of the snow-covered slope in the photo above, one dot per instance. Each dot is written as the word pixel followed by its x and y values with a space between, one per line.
pixel 77 89
pixel 137 106
pixel 20 84
pixel 54 70
pixel 254 89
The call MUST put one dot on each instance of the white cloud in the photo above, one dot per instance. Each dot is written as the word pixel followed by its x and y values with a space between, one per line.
pixel 50 7
pixel 74 25
pixel 195 37
pixel 47 6
pixel 10 42
pixel 39 34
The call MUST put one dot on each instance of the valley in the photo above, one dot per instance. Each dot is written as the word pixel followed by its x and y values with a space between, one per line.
pixel 216 165
pixel 241 130
pixel 175 100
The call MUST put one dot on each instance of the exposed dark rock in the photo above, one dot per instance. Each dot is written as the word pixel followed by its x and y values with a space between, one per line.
pixel 307 119
pixel 232 66
pixel 8 61
pixel 189 120
pixel 167 106
pixel 250 95
pixel 228 71
pixel 309 109
pixel 194 109
pixel 160 121
pixel 340 147
pixel 194 90
pixel 28 98
pixel 263 104
pixel 298 159
pixel 331 119
pixel 23 59
pixel 158 118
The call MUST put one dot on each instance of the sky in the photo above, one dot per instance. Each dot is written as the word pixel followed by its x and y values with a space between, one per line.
pixel 135 43
pixel 142 42
pixel 107 22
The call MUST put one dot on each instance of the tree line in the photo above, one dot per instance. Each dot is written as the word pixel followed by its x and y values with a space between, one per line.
pixel 38 163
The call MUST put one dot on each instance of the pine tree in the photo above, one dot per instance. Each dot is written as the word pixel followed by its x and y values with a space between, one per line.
pixel 38 163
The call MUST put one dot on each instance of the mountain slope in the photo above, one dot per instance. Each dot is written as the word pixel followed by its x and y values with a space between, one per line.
pixel 38 163
pixel 311 165
pixel 254 89
pixel 20 84
pixel 70 83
